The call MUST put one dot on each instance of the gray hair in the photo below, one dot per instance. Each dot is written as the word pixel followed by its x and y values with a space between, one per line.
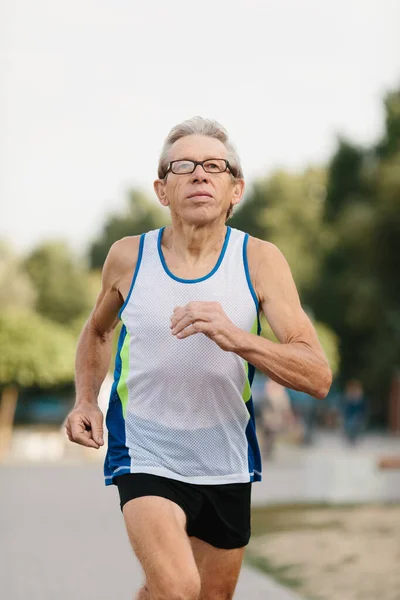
pixel 199 126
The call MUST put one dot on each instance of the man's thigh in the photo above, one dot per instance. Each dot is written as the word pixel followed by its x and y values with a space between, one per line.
pixel 156 529
pixel 219 569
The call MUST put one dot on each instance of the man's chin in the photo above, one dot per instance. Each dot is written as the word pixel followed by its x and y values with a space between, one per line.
pixel 201 217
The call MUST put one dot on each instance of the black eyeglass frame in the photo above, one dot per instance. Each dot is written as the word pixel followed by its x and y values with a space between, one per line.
pixel 200 162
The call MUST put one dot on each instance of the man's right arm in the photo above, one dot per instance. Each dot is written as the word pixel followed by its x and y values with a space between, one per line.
pixel 84 424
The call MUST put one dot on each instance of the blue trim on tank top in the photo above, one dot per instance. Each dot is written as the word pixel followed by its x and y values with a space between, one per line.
pixel 117 456
pixel 219 261
pixel 249 283
pixel 253 450
pixel 139 260
pixel 246 269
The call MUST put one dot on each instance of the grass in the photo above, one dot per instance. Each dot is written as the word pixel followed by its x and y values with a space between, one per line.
pixel 282 574
pixel 283 518
pixel 271 553
pixel 279 573
pixel 272 519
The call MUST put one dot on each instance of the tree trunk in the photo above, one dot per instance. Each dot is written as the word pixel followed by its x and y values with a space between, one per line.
pixel 8 404
pixel 394 405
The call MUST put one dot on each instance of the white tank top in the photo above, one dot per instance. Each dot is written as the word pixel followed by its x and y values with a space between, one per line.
pixel 182 408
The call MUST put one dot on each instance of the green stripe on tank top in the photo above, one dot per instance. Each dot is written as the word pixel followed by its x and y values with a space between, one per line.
pixel 246 395
pixel 247 390
pixel 122 388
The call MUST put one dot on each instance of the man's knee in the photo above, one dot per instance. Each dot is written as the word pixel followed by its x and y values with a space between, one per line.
pixel 179 589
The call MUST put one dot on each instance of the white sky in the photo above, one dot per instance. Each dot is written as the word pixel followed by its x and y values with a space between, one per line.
pixel 90 89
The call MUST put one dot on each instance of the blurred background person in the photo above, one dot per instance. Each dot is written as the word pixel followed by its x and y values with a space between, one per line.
pixel 354 410
pixel 276 416
pixel 258 396
pixel 304 408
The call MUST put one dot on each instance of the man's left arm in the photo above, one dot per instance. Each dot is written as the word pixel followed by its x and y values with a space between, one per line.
pixel 298 361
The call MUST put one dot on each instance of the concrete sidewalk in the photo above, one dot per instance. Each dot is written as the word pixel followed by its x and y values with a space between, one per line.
pixel 62 537
pixel 331 471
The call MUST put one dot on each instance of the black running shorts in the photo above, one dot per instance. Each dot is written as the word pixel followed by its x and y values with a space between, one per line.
pixel 216 514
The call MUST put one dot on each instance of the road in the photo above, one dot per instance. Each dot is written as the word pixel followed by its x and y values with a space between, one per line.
pixel 62 537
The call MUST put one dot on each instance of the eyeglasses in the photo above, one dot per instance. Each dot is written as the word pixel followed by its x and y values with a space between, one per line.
pixel 211 165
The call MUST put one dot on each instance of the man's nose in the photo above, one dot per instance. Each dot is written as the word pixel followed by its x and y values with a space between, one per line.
pixel 199 174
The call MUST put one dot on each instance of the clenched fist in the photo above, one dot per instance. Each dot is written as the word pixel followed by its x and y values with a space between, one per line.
pixel 84 425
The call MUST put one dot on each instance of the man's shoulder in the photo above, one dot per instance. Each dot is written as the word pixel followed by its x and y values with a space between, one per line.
pixel 268 266
pixel 124 247
pixel 123 255
pixel 125 244
pixel 262 251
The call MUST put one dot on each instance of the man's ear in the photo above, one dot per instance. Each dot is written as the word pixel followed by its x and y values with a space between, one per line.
pixel 159 188
pixel 238 191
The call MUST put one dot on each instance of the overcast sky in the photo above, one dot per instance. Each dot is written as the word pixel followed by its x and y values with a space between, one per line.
pixel 90 89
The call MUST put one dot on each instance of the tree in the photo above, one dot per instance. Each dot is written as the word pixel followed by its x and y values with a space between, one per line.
pixel 249 216
pixel 38 353
pixel 63 288
pixel 358 293
pixel 345 180
pixel 16 288
pixel 390 143
pixel 382 354
pixel 141 215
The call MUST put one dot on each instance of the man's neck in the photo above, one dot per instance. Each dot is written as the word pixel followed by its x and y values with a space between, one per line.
pixel 193 244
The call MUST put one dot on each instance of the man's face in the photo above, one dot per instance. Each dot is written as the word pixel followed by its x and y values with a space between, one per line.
pixel 199 198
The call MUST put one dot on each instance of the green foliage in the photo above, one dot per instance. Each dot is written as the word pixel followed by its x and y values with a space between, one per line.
pixel 344 182
pixel 16 288
pixel 330 344
pixel 249 215
pixel 93 289
pixel 387 229
pixel 140 216
pixel 358 291
pixel 390 143
pixel 62 285
pixel 36 352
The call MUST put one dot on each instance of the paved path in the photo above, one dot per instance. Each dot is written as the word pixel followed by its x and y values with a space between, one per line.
pixel 62 537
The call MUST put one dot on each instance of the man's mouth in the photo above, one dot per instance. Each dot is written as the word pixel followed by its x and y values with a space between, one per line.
pixel 197 194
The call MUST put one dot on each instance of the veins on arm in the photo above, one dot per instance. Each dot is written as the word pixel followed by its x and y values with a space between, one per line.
pixel 280 300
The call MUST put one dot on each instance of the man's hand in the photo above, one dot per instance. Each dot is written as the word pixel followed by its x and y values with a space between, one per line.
pixel 207 318
pixel 84 425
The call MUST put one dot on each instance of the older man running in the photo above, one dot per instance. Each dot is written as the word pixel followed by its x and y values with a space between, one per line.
pixel 182 447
